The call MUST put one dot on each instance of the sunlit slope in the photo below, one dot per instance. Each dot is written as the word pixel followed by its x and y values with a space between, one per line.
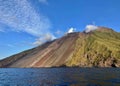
pixel 99 48
pixel 50 54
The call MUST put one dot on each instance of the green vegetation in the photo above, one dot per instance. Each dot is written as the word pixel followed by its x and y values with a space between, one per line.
pixel 101 48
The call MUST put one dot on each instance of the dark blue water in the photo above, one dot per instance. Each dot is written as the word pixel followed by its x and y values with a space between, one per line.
pixel 60 77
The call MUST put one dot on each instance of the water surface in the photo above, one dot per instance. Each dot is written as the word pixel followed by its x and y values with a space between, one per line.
pixel 60 77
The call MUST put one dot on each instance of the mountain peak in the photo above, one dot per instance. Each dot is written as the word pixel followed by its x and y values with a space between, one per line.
pixel 98 47
pixel 104 29
pixel 91 28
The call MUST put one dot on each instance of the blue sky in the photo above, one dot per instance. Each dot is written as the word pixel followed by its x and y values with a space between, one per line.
pixel 25 24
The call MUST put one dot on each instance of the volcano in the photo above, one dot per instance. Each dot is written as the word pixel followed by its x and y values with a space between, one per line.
pixel 97 48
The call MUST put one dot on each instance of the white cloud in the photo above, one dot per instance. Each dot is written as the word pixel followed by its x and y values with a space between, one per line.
pixel 90 28
pixel 1 30
pixel 71 30
pixel 1 27
pixel 22 17
pixel 47 37
pixel 43 1
pixel 9 45
pixel 38 41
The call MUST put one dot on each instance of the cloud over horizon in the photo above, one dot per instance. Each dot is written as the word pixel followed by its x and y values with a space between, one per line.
pixel 20 15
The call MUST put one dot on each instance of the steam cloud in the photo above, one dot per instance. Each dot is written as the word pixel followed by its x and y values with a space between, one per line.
pixel 90 28
pixel 46 37
pixel 71 30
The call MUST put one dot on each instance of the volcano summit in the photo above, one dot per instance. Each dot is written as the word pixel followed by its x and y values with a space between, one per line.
pixel 97 48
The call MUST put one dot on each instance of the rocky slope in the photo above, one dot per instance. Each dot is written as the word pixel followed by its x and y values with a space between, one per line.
pixel 99 48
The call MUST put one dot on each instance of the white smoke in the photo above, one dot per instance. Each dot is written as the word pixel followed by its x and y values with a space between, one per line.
pixel 71 30
pixel 47 37
pixel 90 28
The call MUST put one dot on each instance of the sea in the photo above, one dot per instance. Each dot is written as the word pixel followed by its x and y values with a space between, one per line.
pixel 59 76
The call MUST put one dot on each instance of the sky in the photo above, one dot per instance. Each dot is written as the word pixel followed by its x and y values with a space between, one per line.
pixel 25 24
